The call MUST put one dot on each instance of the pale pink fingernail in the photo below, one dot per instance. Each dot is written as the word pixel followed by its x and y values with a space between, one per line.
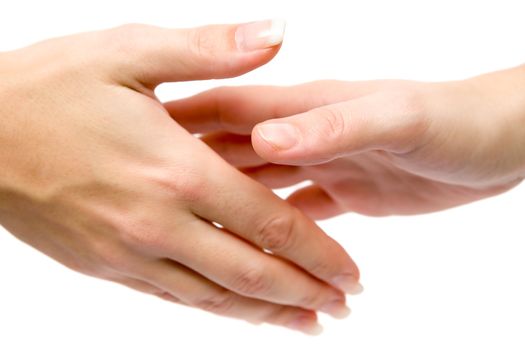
pixel 279 135
pixel 306 325
pixel 336 309
pixel 348 284
pixel 259 35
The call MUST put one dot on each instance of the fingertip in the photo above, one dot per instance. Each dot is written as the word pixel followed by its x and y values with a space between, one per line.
pixel 306 323
pixel 289 141
pixel 233 49
pixel 271 139
pixel 260 145
pixel 260 35
pixel 348 283
pixel 256 43
pixel 213 51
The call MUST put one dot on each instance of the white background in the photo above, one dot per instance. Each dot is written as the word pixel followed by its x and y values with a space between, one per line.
pixel 447 280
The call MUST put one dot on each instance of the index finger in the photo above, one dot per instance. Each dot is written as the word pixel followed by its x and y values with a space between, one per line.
pixel 239 109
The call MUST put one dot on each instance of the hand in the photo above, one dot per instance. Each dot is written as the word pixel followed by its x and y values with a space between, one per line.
pixel 98 176
pixel 376 148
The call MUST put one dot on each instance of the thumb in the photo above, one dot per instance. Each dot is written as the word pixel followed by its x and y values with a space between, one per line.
pixel 381 121
pixel 153 55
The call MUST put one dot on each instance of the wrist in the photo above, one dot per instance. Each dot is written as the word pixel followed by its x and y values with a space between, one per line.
pixel 476 128
pixel 501 101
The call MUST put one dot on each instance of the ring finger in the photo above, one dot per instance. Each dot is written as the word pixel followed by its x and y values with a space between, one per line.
pixel 196 291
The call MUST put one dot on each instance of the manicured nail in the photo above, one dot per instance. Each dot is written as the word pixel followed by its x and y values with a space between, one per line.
pixel 259 35
pixel 306 325
pixel 336 309
pixel 348 284
pixel 279 135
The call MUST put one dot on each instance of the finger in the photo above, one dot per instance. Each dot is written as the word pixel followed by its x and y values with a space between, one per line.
pixel 153 55
pixel 256 214
pixel 196 291
pixel 384 121
pixel 277 176
pixel 247 270
pixel 235 149
pixel 315 202
pixel 239 109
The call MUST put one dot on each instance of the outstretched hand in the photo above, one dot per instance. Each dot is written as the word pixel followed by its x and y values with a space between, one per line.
pixel 375 148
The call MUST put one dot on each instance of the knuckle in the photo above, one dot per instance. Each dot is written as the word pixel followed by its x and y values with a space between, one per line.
pixel 185 183
pixel 332 123
pixel 252 282
pixel 134 231
pixel 142 236
pixel 201 45
pixel 277 233
pixel 219 303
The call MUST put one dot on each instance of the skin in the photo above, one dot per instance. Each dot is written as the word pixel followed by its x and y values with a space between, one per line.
pixel 376 148
pixel 97 175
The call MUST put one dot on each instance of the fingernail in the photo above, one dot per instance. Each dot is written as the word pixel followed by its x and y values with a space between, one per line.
pixel 336 309
pixel 348 284
pixel 280 135
pixel 306 325
pixel 259 35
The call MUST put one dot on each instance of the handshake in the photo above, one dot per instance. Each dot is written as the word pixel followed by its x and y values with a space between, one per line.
pixel 175 199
